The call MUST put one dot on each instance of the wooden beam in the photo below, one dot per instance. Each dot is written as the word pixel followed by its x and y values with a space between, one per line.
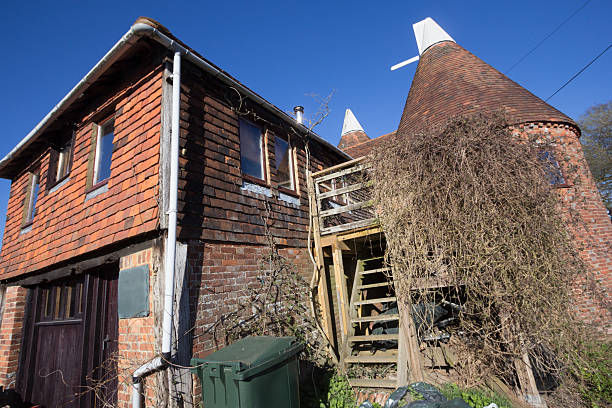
pixel 360 234
pixel 350 170
pixel 410 341
pixel 349 226
pixel 344 190
pixel 346 208
pixel 402 360
pixel 320 264
pixel 529 389
pixel 329 240
pixel 341 291
pixel 338 166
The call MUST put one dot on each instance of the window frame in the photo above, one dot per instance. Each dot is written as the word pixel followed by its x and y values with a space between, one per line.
pixel 64 159
pixel 291 165
pixel 31 199
pixel 62 301
pixel 65 153
pixel 95 182
pixel 263 135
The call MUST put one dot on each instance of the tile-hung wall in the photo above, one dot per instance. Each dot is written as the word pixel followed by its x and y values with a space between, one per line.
pixel 108 194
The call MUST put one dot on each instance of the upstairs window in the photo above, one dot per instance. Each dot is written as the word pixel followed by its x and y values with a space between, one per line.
pixel 284 163
pixel 251 150
pixel 551 168
pixel 64 161
pixel 60 162
pixel 104 151
pixel 31 198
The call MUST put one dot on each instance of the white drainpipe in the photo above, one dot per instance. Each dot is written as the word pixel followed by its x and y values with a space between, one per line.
pixel 159 363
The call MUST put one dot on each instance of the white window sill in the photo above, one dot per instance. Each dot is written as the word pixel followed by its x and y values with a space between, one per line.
pixel 256 188
pixel 94 193
pixel 59 185
pixel 289 199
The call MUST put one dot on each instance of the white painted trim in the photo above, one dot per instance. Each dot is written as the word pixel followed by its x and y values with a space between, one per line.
pixel 350 124
pixel 33 180
pixel 97 156
pixel 427 33
pixel 256 188
pixel 100 190
pixel 59 185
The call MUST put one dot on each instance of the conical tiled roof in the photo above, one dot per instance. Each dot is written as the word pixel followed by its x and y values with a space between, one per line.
pixel 451 81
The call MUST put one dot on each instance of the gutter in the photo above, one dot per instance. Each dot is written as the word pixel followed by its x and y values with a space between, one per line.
pixel 135 32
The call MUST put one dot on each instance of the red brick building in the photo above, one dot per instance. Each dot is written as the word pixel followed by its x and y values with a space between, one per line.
pixel 84 256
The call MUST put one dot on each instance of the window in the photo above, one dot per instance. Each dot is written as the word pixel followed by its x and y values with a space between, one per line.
pixel 63 161
pixel 63 301
pixel 251 150
pixel 551 168
pixel 31 198
pixel 284 163
pixel 104 151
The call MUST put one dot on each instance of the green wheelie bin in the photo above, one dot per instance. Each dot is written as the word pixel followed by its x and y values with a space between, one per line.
pixel 255 372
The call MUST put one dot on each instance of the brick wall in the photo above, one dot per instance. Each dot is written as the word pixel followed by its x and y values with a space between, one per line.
pixel 66 225
pixel 221 276
pixel 137 340
pixel 593 230
pixel 13 312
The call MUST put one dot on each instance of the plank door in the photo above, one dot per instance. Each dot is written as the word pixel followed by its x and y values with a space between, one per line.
pixel 70 337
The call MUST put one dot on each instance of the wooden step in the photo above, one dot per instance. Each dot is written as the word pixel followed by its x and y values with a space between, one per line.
pixel 374 301
pixel 371 359
pixel 375 258
pixel 374 285
pixel 379 270
pixel 374 337
pixel 372 383
pixel 377 318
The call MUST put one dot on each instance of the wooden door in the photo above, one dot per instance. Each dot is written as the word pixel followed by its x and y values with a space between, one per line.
pixel 70 340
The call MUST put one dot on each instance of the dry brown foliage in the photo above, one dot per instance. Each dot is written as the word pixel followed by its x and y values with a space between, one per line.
pixel 469 205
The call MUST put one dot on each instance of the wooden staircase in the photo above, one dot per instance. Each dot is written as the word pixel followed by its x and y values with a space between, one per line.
pixel 375 340
pixel 374 327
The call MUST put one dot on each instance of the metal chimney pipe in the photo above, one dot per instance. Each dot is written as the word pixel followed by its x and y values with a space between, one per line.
pixel 299 114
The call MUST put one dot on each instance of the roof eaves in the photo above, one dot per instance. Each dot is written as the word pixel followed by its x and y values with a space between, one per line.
pixel 145 28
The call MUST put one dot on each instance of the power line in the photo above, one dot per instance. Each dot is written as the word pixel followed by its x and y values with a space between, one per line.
pixel 547 37
pixel 580 72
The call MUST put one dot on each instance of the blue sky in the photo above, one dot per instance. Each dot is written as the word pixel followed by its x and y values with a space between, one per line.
pixel 285 50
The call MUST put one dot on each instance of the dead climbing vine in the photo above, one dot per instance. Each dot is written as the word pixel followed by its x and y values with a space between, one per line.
pixel 479 247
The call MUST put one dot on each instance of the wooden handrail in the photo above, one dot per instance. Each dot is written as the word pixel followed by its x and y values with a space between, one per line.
pixel 338 166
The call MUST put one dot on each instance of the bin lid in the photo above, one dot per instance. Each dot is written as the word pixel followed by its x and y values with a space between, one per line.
pixel 254 350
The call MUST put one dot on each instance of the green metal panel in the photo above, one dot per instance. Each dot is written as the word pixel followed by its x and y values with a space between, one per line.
pixel 133 292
